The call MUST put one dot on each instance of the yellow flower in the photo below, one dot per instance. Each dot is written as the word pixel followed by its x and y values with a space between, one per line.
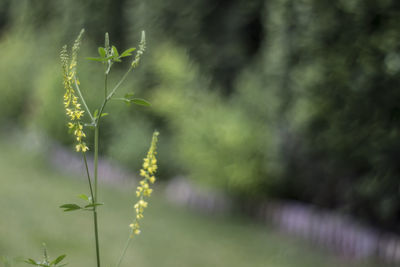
pixel 72 107
pixel 143 190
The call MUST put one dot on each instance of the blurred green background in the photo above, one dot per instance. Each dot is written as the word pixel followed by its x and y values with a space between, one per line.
pixel 262 99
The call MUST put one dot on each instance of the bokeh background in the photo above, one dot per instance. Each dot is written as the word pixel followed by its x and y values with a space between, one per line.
pixel 259 101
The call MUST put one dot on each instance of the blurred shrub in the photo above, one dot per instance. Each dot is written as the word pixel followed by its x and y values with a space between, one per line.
pixel 47 114
pixel 294 99
pixel 214 140
pixel 127 145
pixel 17 73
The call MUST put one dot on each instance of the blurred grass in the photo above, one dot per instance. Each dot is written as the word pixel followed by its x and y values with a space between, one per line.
pixel 30 193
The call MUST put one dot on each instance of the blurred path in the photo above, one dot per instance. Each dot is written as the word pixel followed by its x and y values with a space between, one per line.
pixel 329 230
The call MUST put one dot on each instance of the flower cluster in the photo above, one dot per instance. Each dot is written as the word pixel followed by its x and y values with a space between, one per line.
pixel 144 190
pixel 72 107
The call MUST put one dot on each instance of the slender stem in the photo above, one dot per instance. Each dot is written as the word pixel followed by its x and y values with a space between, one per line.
pixel 96 160
pixel 118 98
pixel 82 99
pixel 119 83
pixel 88 176
pixel 103 105
pixel 96 171
pixel 96 235
pixel 96 230
pixel 125 248
pixel 105 88
pixel 101 111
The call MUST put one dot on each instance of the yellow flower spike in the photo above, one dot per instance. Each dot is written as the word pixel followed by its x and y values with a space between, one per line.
pixel 147 192
pixel 145 165
pixel 143 203
pixel 72 106
pixel 84 148
pixel 143 190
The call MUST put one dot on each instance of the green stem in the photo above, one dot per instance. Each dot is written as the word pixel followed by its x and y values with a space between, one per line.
pixel 96 235
pixel 119 83
pixel 96 230
pixel 82 99
pixel 125 248
pixel 96 163
pixel 96 160
pixel 105 88
pixel 88 176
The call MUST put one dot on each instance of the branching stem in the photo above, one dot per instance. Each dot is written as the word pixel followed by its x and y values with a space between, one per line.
pixel 125 248
pixel 82 99
pixel 96 124
pixel 118 84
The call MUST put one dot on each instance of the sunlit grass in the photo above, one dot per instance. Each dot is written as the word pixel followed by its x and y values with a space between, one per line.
pixel 30 193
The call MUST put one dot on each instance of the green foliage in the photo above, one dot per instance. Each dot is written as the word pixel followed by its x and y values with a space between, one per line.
pixel 288 99
pixel 16 76
pixel 126 149
pixel 337 86
pixel 223 146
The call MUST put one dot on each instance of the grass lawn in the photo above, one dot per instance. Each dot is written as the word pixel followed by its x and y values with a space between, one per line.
pixel 30 193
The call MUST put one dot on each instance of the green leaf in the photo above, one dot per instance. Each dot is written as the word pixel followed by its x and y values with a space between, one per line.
pixel 31 261
pixel 140 101
pixel 129 95
pixel 84 197
pixel 102 51
pixel 100 59
pixel 115 50
pixel 103 114
pixel 59 259
pixel 95 113
pixel 128 52
pixel 70 207
pixel 94 205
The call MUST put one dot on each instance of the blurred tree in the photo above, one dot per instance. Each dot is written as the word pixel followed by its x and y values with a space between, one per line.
pixel 267 98
pixel 345 155
pixel 222 36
